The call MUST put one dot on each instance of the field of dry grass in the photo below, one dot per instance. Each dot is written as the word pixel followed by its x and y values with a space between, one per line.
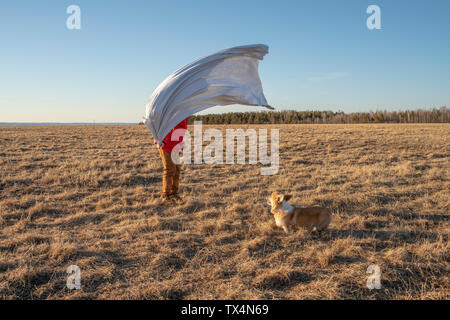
pixel 87 196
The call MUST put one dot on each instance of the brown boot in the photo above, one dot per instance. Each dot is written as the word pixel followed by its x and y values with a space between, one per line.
pixel 164 200
pixel 176 198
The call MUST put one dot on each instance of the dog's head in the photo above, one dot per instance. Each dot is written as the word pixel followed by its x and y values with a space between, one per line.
pixel 275 201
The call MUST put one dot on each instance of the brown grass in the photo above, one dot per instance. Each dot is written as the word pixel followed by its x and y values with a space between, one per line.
pixel 87 196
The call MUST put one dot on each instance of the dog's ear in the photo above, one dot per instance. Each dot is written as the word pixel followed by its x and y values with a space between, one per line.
pixel 287 197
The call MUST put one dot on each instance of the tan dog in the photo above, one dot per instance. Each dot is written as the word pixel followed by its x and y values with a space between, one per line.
pixel 286 215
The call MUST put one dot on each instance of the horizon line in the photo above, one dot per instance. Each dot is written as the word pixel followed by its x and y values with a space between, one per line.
pixel 94 123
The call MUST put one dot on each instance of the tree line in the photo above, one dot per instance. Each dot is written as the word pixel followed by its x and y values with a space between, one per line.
pixel 435 115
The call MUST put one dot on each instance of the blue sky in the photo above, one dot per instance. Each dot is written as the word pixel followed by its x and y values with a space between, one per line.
pixel 321 54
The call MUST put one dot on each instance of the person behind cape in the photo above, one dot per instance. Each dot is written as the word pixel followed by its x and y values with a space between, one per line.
pixel 171 171
pixel 223 78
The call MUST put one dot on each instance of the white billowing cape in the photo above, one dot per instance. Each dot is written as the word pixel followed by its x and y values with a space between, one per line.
pixel 227 77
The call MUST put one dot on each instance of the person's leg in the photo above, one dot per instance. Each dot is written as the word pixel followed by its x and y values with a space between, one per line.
pixel 176 179
pixel 169 170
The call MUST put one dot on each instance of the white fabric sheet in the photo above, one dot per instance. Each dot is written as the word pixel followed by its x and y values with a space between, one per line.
pixel 227 77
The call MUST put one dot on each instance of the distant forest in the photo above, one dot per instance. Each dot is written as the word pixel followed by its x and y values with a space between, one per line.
pixel 441 115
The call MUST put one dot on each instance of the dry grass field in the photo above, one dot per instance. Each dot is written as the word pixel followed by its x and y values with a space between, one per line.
pixel 87 196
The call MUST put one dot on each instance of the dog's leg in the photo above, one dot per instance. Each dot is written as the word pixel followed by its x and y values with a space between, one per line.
pixel 285 228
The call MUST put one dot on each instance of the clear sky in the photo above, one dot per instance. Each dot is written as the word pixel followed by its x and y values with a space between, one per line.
pixel 321 54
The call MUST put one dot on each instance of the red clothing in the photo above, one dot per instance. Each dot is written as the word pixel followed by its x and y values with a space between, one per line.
pixel 168 144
